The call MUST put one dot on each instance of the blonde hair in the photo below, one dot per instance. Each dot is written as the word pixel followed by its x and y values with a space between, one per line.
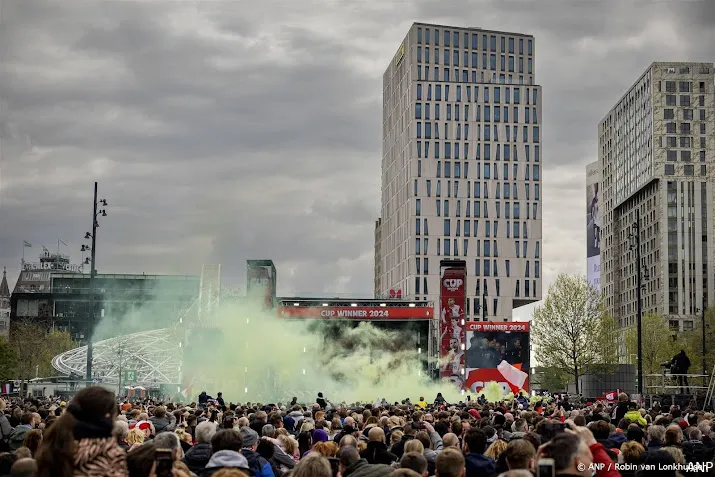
pixel 135 436
pixel 631 451
pixel 228 472
pixel 307 426
pixel 289 445
pixel 495 449
pixel 395 437
pixel 312 465
pixel 676 453
pixel 326 449
pixel 414 445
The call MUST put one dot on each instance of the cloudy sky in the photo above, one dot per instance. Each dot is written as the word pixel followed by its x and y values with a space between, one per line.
pixel 226 130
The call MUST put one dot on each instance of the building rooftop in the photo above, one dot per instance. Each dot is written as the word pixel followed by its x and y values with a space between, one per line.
pixel 4 289
pixel 473 29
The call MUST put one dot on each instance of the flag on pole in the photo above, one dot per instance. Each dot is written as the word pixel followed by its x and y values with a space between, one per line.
pixel 26 243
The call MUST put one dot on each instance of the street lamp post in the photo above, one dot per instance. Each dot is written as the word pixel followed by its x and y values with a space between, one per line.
pixel 92 274
pixel 702 325
pixel 636 244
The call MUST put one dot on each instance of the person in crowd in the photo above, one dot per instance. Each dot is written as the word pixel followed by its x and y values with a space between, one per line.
pixel 120 432
pixel 313 465
pixel 18 434
pixel 24 467
pixel 351 465
pixel 32 441
pixel 634 415
pixel 376 452
pixel 199 455
pixel 451 463
pixel 679 365
pixel 5 427
pixel 226 447
pixel 256 463
pixel 474 446
pixel 415 462
pixel 80 442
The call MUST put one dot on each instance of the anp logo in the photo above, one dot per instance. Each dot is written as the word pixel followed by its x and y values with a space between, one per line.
pixel 453 284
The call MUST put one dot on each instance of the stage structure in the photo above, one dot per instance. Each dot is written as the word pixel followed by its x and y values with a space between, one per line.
pixel 169 356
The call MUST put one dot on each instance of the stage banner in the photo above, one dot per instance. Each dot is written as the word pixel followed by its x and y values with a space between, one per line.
pixel 497 351
pixel 452 303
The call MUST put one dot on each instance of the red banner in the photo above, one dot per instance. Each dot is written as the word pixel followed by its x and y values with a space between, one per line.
pixel 357 312
pixel 497 351
pixel 452 303
pixel 489 326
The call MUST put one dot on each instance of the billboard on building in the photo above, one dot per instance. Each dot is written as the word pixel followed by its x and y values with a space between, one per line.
pixel 356 312
pixel 499 352
pixel 261 283
pixel 593 225
pixel 452 304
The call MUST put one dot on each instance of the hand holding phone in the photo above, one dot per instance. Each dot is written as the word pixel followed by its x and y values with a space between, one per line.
pixel 545 468
pixel 164 462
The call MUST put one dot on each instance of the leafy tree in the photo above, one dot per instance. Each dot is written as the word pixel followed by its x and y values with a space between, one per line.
pixel 553 380
pixel 35 347
pixel 8 360
pixel 658 343
pixel 693 343
pixel 571 331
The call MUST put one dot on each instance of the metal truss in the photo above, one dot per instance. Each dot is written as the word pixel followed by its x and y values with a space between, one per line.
pixel 155 355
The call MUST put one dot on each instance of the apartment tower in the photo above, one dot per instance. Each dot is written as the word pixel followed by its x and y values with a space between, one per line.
pixel 656 159
pixel 461 168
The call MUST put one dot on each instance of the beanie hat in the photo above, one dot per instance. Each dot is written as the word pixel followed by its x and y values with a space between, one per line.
pixel 249 437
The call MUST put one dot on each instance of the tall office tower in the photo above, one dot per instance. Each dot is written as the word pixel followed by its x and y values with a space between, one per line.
pixel 461 167
pixel 656 157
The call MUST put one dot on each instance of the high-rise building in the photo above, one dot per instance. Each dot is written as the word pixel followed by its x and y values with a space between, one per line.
pixel 461 167
pixel 656 155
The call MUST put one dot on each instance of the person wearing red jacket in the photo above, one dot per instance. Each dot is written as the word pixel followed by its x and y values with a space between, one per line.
pixel 576 453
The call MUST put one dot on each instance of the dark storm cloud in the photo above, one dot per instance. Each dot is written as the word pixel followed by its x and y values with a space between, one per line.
pixel 220 133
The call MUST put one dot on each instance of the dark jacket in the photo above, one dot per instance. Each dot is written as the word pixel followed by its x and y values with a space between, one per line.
pixel 479 465
pixel 259 465
pixel 197 457
pixel 654 445
pixel 361 468
pixel 621 410
pixel 161 424
pixel 17 436
pixel 695 451
pixel 399 448
pixel 377 453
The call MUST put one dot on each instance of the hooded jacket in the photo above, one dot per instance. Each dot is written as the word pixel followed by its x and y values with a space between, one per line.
pixel 17 436
pixel 224 459
pixel 198 457
pixel 635 418
pixel 377 453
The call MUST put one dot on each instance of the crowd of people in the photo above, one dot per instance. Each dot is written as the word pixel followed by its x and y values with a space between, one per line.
pixel 97 435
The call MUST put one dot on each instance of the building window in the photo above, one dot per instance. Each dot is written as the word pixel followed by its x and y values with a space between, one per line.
pixel 689 170
pixel 670 169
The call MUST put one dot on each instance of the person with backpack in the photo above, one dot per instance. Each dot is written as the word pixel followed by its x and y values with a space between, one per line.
pixel 258 464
